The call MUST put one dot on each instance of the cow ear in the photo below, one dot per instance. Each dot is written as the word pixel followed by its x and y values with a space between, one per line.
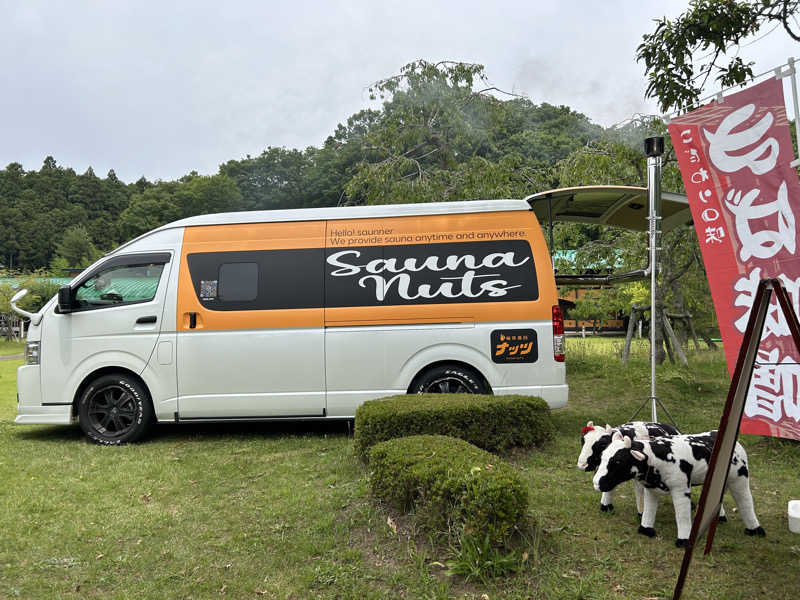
pixel 589 424
pixel 628 442
pixel 608 428
pixel 617 436
pixel 638 455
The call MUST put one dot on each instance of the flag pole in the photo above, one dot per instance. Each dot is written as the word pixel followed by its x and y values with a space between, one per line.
pixel 793 74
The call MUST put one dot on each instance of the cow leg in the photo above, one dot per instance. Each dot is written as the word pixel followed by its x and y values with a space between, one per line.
pixel 739 486
pixel 607 502
pixel 649 514
pixel 722 518
pixel 638 490
pixel 682 501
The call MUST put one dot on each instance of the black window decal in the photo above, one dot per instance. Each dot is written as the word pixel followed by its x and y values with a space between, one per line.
pixel 258 279
pixel 447 273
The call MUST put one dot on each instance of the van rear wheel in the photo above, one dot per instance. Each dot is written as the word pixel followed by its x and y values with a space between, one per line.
pixel 115 409
pixel 450 379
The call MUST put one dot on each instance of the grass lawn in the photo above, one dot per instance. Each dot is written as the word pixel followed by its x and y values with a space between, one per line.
pixel 283 511
pixel 8 348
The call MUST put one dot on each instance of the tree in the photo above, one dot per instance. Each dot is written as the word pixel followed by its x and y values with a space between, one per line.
pixel 275 179
pixel 710 28
pixel 683 284
pixel 75 249
pixel 444 134
pixel 591 306
pixel 172 200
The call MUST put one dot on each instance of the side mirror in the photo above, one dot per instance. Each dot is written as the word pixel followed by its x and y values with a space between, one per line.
pixel 18 296
pixel 35 318
pixel 65 299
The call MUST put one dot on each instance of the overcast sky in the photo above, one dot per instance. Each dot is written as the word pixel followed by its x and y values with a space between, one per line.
pixel 163 88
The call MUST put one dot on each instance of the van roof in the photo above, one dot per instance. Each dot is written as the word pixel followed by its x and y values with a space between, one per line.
pixel 340 212
pixel 351 212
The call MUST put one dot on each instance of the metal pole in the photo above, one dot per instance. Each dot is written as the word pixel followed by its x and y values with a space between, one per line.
pixel 653 148
pixel 793 75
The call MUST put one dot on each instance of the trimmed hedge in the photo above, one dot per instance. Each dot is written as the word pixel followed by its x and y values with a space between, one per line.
pixel 450 484
pixel 494 423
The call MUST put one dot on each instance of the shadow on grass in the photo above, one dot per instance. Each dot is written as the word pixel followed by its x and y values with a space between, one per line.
pixel 49 433
pixel 265 429
pixel 170 432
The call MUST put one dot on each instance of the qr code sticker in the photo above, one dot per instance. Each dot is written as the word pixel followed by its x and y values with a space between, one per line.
pixel 208 290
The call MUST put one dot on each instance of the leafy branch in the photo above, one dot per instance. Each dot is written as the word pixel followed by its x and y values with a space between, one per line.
pixel 676 77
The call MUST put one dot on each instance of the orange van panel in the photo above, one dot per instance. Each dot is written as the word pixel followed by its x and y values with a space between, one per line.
pixel 475 227
pixel 341 234
pixel 231 238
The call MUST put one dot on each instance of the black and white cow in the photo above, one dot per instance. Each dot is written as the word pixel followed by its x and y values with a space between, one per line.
pixel 595 439
pixel 671 465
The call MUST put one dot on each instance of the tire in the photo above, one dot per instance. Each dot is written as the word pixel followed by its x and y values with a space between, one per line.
pixel 115 409
pixel 449 379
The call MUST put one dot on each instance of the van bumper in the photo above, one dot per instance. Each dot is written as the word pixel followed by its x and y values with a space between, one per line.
pixel 44 415
pixel 555 395
pixel 29 401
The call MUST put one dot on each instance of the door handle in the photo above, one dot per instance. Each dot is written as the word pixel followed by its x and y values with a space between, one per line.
pixel 150 319
pixel 192 320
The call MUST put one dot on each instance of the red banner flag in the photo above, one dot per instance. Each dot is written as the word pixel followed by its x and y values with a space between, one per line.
pixel 734 158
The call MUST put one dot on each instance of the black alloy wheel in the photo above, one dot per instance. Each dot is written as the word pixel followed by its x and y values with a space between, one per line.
pixel 450 379
pixel 115 409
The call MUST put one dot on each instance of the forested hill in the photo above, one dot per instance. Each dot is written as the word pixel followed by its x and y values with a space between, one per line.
pixel 440 135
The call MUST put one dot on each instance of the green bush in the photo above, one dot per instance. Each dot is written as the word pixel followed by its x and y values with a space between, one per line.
pixel 450 484
pixel 494 423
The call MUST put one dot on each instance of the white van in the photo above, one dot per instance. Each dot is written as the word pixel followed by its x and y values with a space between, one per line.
pixel 298 314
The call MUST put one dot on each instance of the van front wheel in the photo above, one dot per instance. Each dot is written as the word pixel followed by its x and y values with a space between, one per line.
pixel 115 409
pixel 449 379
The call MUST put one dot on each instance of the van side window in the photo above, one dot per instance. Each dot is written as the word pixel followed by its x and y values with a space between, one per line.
pixel 238 282
pixel 258 279
pixel 125 283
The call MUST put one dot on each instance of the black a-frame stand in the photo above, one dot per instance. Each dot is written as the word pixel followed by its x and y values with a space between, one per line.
pixel 717 477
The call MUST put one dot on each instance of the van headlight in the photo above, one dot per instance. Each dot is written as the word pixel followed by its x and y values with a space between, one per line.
pixel 32 353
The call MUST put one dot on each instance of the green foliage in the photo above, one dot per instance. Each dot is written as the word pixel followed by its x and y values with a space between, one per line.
pixel 443 134
pixel 278 178
pixel 75 249
pixel 592 306
pixel 169 201
pixel 683 284
pixel 476 558
pixel 54 217
pixel 40 290
pixel 494 423
pixel 708 32
pixel 450 484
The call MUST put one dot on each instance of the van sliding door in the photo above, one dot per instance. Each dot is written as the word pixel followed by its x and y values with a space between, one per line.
pixel 250 322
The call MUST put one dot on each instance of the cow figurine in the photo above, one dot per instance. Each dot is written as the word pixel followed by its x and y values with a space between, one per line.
pixel 671 465
pixel 595 439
